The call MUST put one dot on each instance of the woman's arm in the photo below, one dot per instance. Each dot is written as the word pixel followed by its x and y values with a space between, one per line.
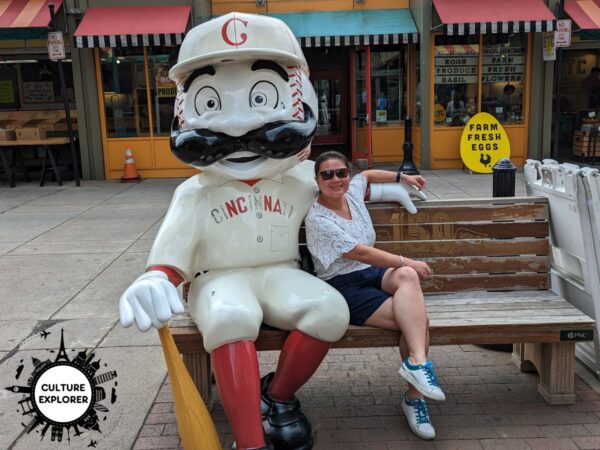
pixel 381 258
pixel 379 176
pixel 387 176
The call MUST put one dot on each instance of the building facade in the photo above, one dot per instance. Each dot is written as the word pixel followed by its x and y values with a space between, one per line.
pixel 374 63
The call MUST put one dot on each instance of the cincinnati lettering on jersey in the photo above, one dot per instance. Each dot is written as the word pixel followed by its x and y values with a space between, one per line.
pixel 251 203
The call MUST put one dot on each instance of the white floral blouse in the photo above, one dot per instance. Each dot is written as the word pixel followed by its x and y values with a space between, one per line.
pixel 329 235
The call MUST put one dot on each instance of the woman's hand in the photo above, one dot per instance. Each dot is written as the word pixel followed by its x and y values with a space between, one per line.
pixel 414 180
pixel 422 268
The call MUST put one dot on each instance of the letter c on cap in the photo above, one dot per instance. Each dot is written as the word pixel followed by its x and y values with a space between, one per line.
pixel 243 37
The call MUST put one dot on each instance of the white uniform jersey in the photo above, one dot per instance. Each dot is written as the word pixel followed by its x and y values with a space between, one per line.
pixel 214 223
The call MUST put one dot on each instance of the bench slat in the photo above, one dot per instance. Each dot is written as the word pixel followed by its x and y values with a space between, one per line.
pixel 467 247
pixel 461 213
pixel 521 331
pixel 513 306
pixel 479 282
pixel 481 264
pixel 460 230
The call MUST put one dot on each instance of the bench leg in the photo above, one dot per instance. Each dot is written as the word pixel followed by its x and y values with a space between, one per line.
pixel 519 359
pixel 198 365
pixel 555 364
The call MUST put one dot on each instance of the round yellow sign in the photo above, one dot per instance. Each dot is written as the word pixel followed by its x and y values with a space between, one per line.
pixel 439 114
pixel 483 143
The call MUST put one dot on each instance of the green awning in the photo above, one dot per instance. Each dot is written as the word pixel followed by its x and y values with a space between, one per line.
pixel 357 27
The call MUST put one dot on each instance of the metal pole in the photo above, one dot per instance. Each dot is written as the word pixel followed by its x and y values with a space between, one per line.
pixel 63 90
pixel 408 166
pixel 560 7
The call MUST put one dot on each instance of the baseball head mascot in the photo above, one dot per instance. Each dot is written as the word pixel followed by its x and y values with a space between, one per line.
pixel 245 115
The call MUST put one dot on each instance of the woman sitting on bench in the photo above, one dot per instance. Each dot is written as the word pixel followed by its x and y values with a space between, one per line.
pixel 382 289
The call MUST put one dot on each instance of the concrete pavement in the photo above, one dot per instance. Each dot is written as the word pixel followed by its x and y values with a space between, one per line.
pixel 66 255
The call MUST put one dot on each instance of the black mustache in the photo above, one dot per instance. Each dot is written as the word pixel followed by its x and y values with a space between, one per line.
pixel 279 140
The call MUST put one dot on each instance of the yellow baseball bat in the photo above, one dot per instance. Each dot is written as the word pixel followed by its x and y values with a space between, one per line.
pixel 196 427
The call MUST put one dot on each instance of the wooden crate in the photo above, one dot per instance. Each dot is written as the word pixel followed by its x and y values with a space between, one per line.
pixel 583 137
pixel 32 133
pixel 583 149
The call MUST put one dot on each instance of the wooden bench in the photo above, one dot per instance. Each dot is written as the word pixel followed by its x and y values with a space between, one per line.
pixel 491 263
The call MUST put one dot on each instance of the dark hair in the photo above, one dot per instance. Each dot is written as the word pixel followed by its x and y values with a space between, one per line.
pixel 326 156
pixel 509 89
pixel 596 69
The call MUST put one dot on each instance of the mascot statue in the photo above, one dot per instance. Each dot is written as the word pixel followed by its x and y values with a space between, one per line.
pixel 245 115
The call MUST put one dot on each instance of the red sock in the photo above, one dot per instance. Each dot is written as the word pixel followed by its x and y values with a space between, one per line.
pixel 238 380
pixel 300 357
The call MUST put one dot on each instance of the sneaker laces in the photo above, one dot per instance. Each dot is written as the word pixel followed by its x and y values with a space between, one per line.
pixel 430 374
pixel 421 411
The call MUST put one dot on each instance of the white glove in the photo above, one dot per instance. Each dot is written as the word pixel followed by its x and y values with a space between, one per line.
pixel 396 192
pixel 150 300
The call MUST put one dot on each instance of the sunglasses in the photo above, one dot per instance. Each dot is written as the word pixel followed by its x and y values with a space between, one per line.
pixel 328 174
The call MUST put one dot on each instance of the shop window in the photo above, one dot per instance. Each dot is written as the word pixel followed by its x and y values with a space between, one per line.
pixel 34 83
pixel 503 75
pixel 9 88
pixel 388 86
pixel 456 80
pixel 162 89
pixel 125 93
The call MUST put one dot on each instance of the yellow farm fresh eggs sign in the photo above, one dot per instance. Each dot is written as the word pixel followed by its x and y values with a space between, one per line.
pixel 483 143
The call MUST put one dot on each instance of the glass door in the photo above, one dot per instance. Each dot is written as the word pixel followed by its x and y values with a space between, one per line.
pixel 360 108
pixel 330 88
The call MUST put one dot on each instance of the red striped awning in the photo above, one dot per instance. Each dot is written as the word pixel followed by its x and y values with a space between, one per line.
pixel 26 13
pixel 461 17
pixel 585 13
pixel 132 26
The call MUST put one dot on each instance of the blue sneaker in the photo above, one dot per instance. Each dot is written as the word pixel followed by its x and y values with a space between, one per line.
pixel 418 418
pixel 423 378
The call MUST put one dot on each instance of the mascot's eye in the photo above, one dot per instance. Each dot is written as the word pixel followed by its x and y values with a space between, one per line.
pixel 264 95
pixel 207 99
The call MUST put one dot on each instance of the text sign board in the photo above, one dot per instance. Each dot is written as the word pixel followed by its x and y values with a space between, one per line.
pixel 549 47
pixel 56 46
pixel 483 143
pixel 562 36
pixel 165 87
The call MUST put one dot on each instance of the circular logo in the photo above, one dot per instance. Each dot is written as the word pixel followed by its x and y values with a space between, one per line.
pixel 62 394
pixel 67 394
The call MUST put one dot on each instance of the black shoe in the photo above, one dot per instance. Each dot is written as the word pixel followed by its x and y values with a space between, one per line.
pixel 265 399
pixel 284 423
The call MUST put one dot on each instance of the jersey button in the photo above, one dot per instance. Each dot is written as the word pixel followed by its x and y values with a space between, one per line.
pixel 259 215
pixel 259 239
pixel 256 189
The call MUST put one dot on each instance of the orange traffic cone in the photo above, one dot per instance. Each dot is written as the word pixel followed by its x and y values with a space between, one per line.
pixel 130 175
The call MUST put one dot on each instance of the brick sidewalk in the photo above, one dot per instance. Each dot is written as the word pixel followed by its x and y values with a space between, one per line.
pixel 353 403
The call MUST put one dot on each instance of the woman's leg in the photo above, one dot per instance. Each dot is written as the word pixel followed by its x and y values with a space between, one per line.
pixel 409 310
pixel 383 317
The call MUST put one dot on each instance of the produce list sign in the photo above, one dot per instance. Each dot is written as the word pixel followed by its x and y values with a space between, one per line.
pixel 456 64
pixel 459 64
pixel 503 64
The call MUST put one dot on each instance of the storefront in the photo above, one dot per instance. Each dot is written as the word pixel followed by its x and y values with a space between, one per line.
pixel 360 58
pixel 481 61
pixel 360 62
pixel 31 98
pixel 579 86
pixel 134 47
pixel 373 64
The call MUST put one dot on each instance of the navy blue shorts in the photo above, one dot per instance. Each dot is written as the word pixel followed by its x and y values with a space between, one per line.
pixel 362 291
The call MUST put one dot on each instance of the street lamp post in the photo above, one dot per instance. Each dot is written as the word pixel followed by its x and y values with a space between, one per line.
pixel 63 90
pixel 408 166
